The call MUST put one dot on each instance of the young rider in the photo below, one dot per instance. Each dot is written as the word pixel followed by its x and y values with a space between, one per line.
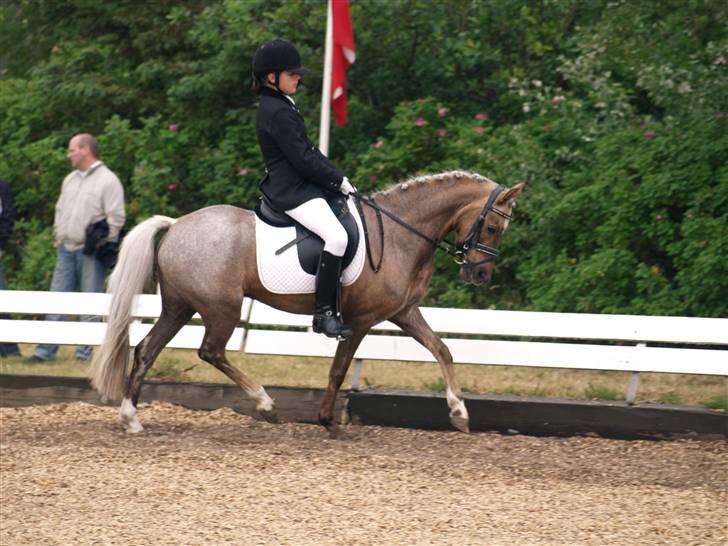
pixel 299 177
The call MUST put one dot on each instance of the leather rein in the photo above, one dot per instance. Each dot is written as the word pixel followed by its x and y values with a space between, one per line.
pixel 457 250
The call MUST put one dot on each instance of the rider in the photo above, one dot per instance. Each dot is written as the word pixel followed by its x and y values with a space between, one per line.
pixel 299 177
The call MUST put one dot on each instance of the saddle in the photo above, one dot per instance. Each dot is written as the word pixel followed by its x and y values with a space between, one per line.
pixel 309 245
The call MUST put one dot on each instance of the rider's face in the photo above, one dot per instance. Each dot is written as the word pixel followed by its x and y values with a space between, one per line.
pixel 287 82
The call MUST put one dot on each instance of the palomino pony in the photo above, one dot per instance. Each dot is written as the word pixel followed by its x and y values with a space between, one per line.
pixel 206 263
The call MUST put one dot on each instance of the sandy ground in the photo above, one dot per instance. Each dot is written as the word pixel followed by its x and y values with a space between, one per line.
pixel 69 475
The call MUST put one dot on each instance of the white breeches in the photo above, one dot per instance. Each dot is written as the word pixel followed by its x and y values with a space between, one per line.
pixel 317 216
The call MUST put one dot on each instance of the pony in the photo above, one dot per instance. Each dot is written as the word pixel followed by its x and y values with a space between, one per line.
pixel 206 263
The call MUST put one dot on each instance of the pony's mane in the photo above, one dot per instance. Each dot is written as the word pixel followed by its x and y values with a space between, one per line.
pixel 433 179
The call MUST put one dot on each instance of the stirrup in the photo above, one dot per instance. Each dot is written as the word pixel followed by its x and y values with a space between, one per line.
pixel 330 325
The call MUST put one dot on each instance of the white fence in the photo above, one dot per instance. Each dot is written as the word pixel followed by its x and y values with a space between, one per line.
pixel 684 345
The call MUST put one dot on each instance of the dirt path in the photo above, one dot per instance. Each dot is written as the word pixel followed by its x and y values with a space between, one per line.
pixel 68 475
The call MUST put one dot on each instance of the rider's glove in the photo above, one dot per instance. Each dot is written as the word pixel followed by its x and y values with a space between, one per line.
pixel 347 187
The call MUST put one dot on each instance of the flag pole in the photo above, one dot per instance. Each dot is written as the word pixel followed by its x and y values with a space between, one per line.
pixel 325 124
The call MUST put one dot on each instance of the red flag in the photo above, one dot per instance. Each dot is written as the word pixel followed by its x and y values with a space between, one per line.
pixel 343 57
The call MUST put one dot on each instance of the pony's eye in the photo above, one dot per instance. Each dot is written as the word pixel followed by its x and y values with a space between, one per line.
pixel 491 230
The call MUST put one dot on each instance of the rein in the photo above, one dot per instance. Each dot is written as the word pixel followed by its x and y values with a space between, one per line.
pixel 457 249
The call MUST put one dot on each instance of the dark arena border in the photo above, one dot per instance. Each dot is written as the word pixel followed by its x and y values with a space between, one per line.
pixel 406 409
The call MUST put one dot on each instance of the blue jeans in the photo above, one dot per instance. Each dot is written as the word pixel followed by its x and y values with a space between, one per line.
pixel 74 271
pixel 6 349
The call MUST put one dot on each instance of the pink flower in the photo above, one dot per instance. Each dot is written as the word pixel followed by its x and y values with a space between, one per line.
pixel 442 112
pixel 442 132
pixel 650 134
pixel 378 144
pixel 720 115
pixel 481 116
pixel 373 178
pixel 478 130
pixel 173 127
pixel 171 187
pixel 242 171
pixel 420 122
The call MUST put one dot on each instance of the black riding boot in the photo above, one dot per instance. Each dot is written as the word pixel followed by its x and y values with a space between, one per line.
pixel 327 314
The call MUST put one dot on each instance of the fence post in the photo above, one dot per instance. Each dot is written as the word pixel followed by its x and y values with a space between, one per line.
pixel 634 382
pixel 356 374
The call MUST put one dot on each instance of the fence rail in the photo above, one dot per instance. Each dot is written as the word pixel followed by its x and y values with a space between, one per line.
pixel 632 343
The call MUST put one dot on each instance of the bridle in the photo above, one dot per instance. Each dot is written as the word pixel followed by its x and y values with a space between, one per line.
pixel 472 239
pixel 457 250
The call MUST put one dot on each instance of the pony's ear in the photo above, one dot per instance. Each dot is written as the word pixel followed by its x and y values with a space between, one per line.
pixel 510 194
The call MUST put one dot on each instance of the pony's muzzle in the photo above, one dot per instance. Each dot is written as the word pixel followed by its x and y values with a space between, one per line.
pixel 475 275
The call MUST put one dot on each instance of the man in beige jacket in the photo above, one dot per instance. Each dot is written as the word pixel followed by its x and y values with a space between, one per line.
pixel 91 193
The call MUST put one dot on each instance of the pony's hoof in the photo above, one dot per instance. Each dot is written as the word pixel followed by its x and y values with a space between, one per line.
pixel 459 422
pixel 269 415
pixel 128 417
pixel 134 427
pixel 336 432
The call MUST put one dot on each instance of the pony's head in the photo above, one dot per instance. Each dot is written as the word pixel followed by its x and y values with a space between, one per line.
pixel 480 229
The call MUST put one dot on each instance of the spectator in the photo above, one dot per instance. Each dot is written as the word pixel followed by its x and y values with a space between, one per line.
pixel 90 194
pixel 7 220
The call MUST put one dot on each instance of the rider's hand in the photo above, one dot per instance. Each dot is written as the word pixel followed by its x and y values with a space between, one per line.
pixel 347 187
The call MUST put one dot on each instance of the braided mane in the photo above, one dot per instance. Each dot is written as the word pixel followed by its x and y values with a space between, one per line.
pixel 433 179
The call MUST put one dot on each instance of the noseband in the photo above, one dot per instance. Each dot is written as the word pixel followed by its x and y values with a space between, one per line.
pixel 457 250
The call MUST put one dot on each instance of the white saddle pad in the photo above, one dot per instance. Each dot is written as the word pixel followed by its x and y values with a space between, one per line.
pixel 283 274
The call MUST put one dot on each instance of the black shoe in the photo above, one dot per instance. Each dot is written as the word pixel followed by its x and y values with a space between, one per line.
pixel 330 325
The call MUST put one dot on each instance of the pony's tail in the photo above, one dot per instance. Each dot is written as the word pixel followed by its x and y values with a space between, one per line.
pixel 109 368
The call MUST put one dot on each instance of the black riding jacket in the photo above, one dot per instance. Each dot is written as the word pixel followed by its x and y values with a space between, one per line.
pixel 7 213
pixel 297 171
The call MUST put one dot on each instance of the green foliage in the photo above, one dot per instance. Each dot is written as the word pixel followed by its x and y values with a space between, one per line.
pixel 612 113
pixel 39 258
pixel 718 402
pixel 600 392
pixel 436 386
pixel 670 397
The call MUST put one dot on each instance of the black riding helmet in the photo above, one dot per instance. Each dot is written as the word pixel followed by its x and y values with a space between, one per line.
pixel 277 56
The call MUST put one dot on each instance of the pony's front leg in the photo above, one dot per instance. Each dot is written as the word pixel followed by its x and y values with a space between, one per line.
pixel 340 365
pixel 413 324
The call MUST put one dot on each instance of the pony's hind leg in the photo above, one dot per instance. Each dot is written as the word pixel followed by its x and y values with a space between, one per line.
pixel 220 321
pixel 169 323
pixel 413 324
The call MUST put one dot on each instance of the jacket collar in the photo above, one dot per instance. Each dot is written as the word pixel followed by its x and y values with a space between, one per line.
pixel 91 169
pixel 268 92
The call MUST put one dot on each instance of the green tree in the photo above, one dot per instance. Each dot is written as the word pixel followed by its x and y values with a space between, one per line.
pixel 612 112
